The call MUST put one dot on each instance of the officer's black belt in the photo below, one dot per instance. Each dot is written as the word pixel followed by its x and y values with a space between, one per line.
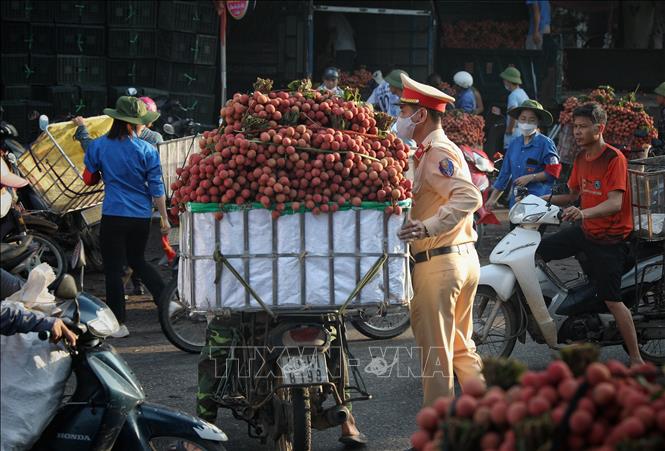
pixel 424 256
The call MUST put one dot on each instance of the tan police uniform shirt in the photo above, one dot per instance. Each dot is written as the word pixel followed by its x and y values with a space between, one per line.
pixel 445 198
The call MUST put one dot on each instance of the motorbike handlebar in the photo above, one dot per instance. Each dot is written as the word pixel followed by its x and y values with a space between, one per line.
pixel 45 335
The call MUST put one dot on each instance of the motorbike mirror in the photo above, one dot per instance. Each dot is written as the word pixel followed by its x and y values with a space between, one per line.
pixel 78 255
pixel 169 129
pixel 66 288
pixel 131 91
pixel 43 122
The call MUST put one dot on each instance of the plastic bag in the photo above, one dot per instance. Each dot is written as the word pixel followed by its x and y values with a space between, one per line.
pixel 34 294
pixel 33 372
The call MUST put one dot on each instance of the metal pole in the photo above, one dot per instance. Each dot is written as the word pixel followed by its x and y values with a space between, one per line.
pixel 222 54
pixel 432 43
pixel 310 40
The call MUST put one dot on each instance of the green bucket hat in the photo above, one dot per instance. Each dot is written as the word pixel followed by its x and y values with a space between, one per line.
pixel 660 90
pixel 544 116
pixel 132 110
pixel 512 75
pixel 394 79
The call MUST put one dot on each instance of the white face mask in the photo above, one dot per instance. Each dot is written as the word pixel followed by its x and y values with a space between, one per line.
pixel 405 127
pixel 526 129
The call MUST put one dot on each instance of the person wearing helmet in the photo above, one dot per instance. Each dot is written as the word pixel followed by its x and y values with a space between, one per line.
pixel 466 99
pixel 330 81
pixel 512 80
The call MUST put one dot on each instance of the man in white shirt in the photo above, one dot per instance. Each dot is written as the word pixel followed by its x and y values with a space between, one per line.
pixel 385 97
pixel 342 42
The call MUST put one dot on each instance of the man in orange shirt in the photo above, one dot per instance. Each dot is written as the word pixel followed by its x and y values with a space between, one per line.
pixel 600 181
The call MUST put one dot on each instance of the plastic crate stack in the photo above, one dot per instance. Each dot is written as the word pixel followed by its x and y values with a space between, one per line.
pixel 75 57
pixel 187 50
pixel 53 60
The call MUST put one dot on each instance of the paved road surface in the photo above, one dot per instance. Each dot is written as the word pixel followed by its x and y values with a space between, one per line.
pixel 169 375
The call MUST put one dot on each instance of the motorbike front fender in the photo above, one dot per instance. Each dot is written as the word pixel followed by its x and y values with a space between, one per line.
pixel 500 278
pixel 150 420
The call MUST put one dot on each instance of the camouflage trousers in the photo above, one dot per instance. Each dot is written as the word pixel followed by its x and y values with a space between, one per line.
pixel 212 363
pixel 212 366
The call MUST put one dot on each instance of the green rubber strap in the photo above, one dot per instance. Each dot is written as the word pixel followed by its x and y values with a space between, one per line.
pixel 373 271
pixel 196 207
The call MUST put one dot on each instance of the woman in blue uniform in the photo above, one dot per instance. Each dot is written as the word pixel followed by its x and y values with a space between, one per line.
pixel 531 160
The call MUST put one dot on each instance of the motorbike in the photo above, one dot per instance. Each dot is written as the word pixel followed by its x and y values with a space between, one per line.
pixel 107 409
pixel 53 230
pixel 19 253
pixel 21 250
pixel 302 367
pixel 186 329
pixel 518 294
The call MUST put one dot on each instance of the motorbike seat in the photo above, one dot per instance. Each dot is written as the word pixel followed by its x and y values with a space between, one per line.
pixel 11 250
pixel 582 300
pixel 35 221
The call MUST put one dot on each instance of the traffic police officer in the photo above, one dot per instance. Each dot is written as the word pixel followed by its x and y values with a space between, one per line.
pixel 442 238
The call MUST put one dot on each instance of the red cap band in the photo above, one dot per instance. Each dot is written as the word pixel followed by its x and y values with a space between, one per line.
pixel 409 95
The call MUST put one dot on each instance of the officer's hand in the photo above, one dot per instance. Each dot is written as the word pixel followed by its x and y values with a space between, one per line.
pixel 59 331
pixel 412 230
pixel 78 120
pixel 523 181
pixel 489 205
pixel 572 214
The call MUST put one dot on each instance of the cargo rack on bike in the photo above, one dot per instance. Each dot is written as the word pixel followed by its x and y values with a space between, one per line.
pixel 54 164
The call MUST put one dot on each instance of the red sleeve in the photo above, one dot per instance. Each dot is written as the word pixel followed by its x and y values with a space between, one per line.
pixel 573 180
pixel 91 178
pixel 617 175
pixel 553 169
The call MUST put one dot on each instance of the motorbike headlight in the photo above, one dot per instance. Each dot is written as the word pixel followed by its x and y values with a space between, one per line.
pixel 104 324
pixel 517 213
pixel 533 218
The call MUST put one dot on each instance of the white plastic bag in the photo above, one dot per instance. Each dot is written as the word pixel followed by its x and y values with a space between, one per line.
pixel 33 373
pixel 34 294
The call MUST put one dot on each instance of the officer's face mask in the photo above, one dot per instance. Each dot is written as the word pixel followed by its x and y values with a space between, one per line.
pixel 405 127
pixel 507 86
pixel 527 129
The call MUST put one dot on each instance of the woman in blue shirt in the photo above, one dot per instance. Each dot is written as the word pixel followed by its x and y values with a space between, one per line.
pixel 466 98
pixel 531 160
pixel 132 177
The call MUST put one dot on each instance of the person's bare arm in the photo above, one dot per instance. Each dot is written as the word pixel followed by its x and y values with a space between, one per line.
pixel 160 203
pixel 480 107
pixel 611 206
pixel 563 199
pixel 537 38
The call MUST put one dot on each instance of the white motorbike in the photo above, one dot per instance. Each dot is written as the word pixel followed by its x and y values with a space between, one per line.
pixel 519 293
